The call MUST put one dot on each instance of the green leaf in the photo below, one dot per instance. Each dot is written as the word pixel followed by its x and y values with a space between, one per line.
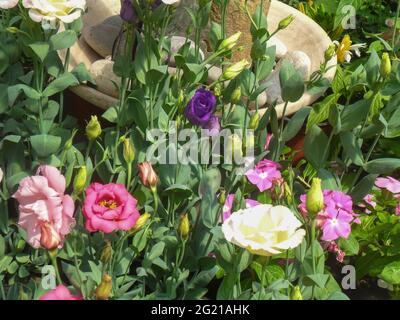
pixel 393 129
pixel 314 146
pixel 82 74
pixel 41 49
pixel 295 124
pixel 14 91
pixel 45 145
pixel 156 251
pixel 337 295
pixel 382 166
pixel 154 75
pixel 372 68
pixel 329 180
pixel 60 84
pixel 291 81
pixel 352 147
pixel 110 115
pixel 354 114
pixel 391 273
pixel 321 111
pixel 318 279
pixel 363 187
pixel 349 245
pixel 63 40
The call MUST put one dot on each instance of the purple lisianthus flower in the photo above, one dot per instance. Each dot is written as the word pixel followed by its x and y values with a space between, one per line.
pixel 213 126
pixel 127 12
pixel 201 107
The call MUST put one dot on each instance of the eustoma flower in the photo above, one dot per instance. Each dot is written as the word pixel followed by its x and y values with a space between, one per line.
pixel 8 4
pixel 200 110
pixel 389 183
pixel 109 207
pixel 264 230
pixel 227 208
pixel 336 217
pixel 264 175
pixel 61 292
pixel 66 11
pixel 44 211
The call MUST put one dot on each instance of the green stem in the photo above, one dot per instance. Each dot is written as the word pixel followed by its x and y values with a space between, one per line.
pixel 263 276
pixel 395 26
pixel 53 258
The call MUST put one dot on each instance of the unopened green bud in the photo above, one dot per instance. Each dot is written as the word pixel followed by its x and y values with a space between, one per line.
pixel 229 43
pixel 103 291
pixel 93 128
pixel 141 222
pixel 236 95
pixel 184 226
pixel 284 23
pixel 80 180
pixel 315 197
pixel 129 151
pixel 254 121
pixel 107 252
pixel 330 52
pixel 386 65
pixel 234 70
pixel 12 30
pixel 296 294
pixel 234 146
pixel 181 97
pixel 217 90
pixel 222 197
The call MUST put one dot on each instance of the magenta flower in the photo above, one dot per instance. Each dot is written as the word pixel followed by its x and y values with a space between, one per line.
pixel 268 140
pixel 335 224
pixel 227 208
pixel 398 210
pixel 200 109
pixel 388 183
pixel 61 292
pixel 338 200
pixel 264 175
pixel 368 200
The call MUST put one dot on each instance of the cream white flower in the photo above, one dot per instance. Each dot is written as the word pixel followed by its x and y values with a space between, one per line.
pixel 264 229
pixel 170 2
pixel 1 175
pixel 8 4
pixel 52 10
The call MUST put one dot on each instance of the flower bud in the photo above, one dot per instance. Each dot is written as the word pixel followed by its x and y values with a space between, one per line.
pixel 284 23
pixel 330 52
pixel 107 252
pixel 222 197
pixel 296 294
pixel 229 43
pixel 103 291
pixel 80 180
pixel 234 147
pixel 129 151
pixel 93 128
pixel 147 175
pixel 181 97
pixel 315 197
pixel 217 90
pixel 22 294
pixel 141 222
pixel 254 121
pixel 12 30
pixel 236 95
pixel 49 237
pixel 386 65
pixel 234 70
pixel 301 8
pixel 184 226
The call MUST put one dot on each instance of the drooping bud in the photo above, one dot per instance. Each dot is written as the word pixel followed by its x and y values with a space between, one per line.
pixel 129 151
pixel 386 65
pixel 141 222
pixel 230 42
pixel 254 121
pixel 330 52
pixel 93 128
pixel 147 175
pixel 236 95
pixel 315 197
pixel 80 180
pixel 49 237
pixel 107 252
pixel 284 23
pixel 184 226
pixel 296 294
pixel 234 70
pixel 103 291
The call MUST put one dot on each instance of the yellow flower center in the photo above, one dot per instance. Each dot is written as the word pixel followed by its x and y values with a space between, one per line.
pixel 110 204
pixel 343 48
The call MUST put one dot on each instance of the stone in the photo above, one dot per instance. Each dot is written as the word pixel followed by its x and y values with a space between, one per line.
pixel 176 43
pixel 103 75
pixel 101 37
pixel 99 10
pixel 281 48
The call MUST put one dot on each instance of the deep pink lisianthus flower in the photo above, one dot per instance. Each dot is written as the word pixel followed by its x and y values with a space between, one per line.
pixel 398 210
pixel 336 224
pixel 227 208
pixel 61 292
pixel 109 207
pixel 388 183
pixel 264 175
pixel 45 212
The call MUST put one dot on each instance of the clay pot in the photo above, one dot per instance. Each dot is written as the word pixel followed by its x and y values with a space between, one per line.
pixel 237 20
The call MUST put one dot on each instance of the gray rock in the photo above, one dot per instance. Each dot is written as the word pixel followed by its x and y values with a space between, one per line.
pixel 103 75
pixel 281 48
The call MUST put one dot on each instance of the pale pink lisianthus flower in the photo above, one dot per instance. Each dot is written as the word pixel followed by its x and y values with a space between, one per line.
pixel 45 212
pixel 61 292
pixel 109 207
pixel 264 175
pixel 389 183
pixel 8 4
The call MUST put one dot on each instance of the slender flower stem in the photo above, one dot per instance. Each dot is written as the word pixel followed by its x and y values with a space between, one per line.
pixel 53 258
pixel 263 276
